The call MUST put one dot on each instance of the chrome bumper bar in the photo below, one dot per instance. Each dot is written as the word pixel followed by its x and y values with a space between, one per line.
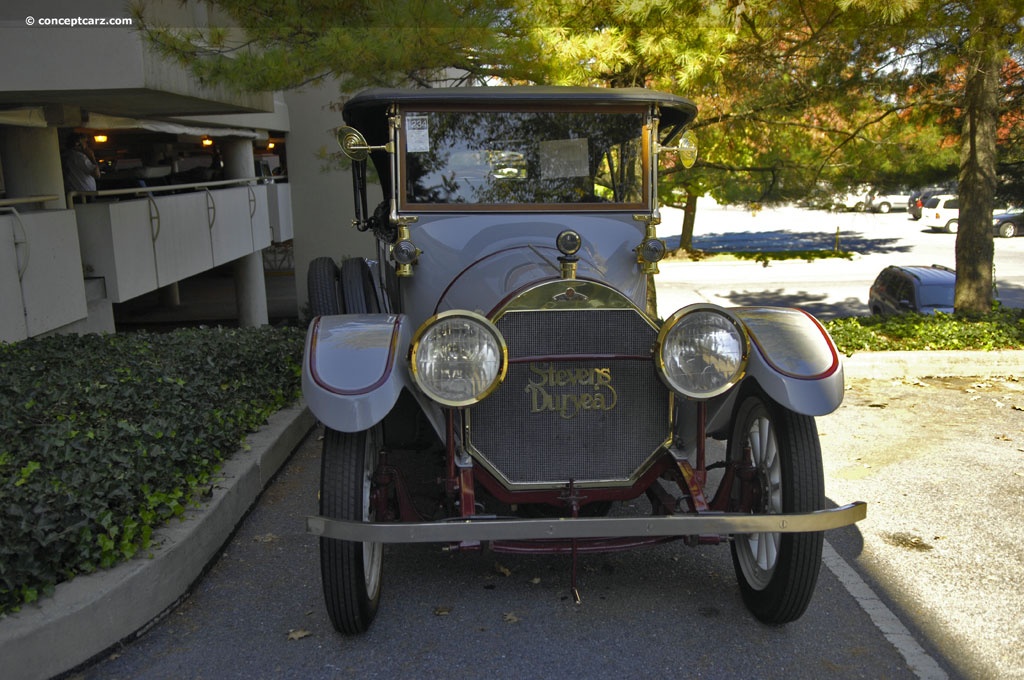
pixel 482 529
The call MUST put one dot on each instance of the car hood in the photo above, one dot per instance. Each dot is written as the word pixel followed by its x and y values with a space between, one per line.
pixel 477 262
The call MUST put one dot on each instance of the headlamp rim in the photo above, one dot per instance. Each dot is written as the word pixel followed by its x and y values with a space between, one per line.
pixel 431 322
pixel 673 321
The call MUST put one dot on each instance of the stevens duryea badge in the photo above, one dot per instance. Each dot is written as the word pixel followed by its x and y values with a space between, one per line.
pixel 568 391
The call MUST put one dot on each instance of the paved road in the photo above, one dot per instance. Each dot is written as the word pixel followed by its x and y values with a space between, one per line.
pixel 827 288
pixel 667 612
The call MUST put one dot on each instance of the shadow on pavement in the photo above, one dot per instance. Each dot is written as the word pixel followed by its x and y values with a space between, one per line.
pixel 815 303
pixel 780 240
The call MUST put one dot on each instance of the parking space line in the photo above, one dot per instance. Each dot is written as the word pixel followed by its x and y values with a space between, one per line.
pixel 923 665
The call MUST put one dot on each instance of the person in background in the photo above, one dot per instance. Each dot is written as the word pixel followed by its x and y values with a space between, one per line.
pixel 80 167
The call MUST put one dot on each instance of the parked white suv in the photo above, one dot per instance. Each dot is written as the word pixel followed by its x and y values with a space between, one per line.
pixel 886 202
pixel 942 213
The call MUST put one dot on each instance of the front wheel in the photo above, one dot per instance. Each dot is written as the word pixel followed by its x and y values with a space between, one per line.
pixel 884 208
pixel 1007 229
pixel 777 573
pixel 350 571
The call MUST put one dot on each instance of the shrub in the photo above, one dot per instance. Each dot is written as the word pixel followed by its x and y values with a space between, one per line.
pixel 1001 329
pixel 103 438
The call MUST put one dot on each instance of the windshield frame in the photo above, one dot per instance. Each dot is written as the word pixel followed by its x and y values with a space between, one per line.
pixel 646 135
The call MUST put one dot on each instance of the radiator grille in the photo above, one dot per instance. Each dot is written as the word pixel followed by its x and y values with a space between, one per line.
pixel 582 400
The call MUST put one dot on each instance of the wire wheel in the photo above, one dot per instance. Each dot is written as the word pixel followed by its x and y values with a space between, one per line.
pixel 777 573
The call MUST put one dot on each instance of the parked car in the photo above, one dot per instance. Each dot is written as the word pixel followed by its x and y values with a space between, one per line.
pixel 1009 224
pixel 917 199
pixel 854 199
pixel 942 213
pixel 902 289
pixel 498 375
pixel 887 201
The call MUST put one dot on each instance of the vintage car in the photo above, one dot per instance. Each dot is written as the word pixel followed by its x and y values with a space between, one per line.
pixel 497 375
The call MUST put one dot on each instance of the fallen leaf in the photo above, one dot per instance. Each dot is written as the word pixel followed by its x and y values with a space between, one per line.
pixel 502 569
pixel 442 611
pixel 510 617
pixel 298 634
pixel 265 538
pixel 535 580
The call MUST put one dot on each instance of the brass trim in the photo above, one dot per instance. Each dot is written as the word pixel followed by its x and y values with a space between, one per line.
pixel 648 172
pixel 554 296
pixel 587 296
pixel 483 321
pixel 673 320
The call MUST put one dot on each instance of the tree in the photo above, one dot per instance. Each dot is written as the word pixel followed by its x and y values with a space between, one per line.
pixel 282 44
pixel 968 51
pixel 793 94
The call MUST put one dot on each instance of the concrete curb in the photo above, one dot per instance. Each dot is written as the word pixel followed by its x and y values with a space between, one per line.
pixel 887 365
pixel 90 614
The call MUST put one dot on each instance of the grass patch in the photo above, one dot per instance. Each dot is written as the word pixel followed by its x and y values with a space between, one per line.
pixel 105 438
pixel 765 257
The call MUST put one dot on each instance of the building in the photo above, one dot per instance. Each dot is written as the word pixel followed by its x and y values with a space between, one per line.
pixel 194 178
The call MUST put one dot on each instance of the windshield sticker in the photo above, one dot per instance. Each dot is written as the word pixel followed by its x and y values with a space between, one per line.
pixel 564 158
pixel 417 134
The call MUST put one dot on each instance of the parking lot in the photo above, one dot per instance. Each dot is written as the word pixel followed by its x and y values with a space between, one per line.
pixel 828 287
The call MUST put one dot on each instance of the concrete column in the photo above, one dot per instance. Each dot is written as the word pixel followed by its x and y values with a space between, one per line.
pixel 170 296
pixel 250 284
pixel 31 164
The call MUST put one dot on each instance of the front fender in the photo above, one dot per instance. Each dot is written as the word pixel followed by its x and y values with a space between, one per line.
pixel 352 369
pixel 793 359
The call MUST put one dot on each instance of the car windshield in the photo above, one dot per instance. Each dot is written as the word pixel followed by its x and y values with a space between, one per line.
pixel 936 296
pixel 539 158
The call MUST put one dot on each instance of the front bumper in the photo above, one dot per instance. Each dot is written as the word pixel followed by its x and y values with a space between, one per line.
pixel 483 529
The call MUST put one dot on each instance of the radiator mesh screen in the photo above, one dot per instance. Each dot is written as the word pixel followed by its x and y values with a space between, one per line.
pixel 583 401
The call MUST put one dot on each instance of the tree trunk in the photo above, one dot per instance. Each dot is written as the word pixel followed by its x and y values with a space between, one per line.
pixel 689 217
pixel 974 246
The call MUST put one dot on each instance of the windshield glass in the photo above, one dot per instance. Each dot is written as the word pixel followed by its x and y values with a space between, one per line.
pixel 536 158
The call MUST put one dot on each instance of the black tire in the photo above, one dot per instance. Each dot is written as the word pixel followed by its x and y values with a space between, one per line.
pixel 323 287
pixel 777 573
pixel 357 291
pixel 351 572
pixel 346 291
pixel 1007 229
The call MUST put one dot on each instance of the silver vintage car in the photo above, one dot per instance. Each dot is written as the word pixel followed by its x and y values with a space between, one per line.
pixel 498 375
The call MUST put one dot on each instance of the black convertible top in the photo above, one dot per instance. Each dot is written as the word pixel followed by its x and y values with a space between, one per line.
pixel 367 110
